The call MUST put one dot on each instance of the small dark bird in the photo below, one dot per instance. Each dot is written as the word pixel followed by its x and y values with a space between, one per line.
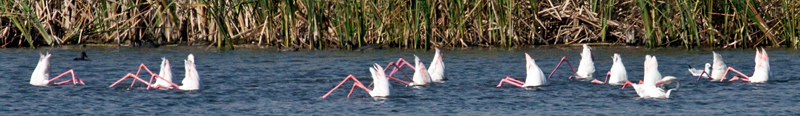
pixel 288 49
pixel 83 57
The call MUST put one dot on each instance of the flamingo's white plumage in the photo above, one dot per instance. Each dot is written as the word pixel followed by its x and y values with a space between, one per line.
pixel 761 70
pixel 651 73
pixel 667 80
pixel 719 68
pixel 586 67
pixel 535 75
pixel 381 83
pixel 618 74
pixel 650 89
pixel 166 73
pixel 760 73
pixel 40 76
pixel 192 79
pixel 421 75
pixel 379 80
pixel 436 69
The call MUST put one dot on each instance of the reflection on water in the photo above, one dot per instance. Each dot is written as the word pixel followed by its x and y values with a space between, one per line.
pixel 246 82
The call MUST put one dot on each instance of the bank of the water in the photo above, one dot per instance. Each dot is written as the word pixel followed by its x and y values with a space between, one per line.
pixel 402 24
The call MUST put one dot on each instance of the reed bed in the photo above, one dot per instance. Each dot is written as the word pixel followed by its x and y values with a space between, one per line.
pixel 320 24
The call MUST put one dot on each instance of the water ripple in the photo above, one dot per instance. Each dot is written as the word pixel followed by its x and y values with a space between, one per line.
pixel 258 82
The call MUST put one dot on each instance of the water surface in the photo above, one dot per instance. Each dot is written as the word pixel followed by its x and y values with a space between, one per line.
pixel 252 82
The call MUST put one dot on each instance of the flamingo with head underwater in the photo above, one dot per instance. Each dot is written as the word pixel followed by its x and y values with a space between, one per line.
pixel 651 73
pixel 652 91
pixel 535 75
pixel 617 75
pixel 380 81
pixel 585 68
pixel 717 70
pixel 649 87
pixel 166 75
pixel 191 81
pixel 435 72
pixel 761 71
pixel 40 76
pixel 421 76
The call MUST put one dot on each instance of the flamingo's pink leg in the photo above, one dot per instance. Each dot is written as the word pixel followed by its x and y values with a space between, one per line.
pixel 398 67
pixel 174 86
pixel 345 80
pixel 134 82
pixel 701 75
pixel 403 62
pixel 595 81
pixel 155 76
pixel 401 81
pixel 159 86
pixel 145 68
pixel 626 84
pixel 629 82
pixel 75 80
pixel 130 75
pixel 734 70
pixel 140 70
pixel 395 69
pixel 148 71
pixel 607 74
pixel 734 78
pixel 136 77
pixel 354 86
pixel 511 81
pixel 401 71
pixel 515 80
pixel 152 77
pixel 563 59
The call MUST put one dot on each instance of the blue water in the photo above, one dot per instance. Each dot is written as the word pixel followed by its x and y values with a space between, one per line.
pixel 264 82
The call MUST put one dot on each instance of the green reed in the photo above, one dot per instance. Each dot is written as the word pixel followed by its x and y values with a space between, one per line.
pixel 791 25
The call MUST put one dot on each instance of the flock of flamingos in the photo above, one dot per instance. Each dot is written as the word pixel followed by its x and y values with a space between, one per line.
pixel 650 87
pixel 191 81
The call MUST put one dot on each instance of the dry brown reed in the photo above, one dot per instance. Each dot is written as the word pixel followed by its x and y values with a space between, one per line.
pixel 406 23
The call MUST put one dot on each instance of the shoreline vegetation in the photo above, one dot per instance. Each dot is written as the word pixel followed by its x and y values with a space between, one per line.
pixel 317 24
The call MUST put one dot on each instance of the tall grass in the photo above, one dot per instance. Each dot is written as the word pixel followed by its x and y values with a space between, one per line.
pixel 791 21
pixel 714 23
pixel 319 24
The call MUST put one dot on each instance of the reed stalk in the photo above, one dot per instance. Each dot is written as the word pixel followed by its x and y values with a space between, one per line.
pixel 319 24
pixel 791 25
